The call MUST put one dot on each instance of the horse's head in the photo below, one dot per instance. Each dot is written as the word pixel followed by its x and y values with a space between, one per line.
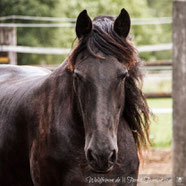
pixel 99 84
pixel 100 89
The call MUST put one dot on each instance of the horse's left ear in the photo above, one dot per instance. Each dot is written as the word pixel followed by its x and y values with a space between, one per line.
pixel 83 24
pixel 122 24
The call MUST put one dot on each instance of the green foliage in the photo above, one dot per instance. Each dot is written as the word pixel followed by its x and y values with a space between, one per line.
pixel 157 34
pixel 25 7
pixel 64 37
pixel 161 8
pixel 31 36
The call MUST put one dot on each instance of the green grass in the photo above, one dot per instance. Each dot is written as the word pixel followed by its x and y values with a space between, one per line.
pixel 160 103
pixel 161 125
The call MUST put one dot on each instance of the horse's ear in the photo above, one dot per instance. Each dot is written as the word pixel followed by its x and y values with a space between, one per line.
pixel 83 24
pixel 122 24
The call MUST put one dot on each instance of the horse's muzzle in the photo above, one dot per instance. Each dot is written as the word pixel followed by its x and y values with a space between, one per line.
pixel 103 162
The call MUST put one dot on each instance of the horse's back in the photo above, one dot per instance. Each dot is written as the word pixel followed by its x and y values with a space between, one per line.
pixel 16 81
pixel 12 72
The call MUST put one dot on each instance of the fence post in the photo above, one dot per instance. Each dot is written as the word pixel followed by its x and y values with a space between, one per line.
pixel 179 93
pixel 8 37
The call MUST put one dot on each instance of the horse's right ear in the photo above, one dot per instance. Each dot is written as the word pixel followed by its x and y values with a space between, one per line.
pixel 122 24
pixel 83 24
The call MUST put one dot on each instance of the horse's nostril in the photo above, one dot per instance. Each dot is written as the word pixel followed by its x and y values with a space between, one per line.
pixel 112 157
pixel 90 156
pixel 102 161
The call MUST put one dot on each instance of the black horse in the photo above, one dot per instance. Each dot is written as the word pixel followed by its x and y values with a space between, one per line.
pixel 82 124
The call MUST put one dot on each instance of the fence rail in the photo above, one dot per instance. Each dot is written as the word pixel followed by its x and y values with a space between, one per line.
pixel 59 51
pixel 34 50
pixel 37 25
pixel 158 95
pixel 70 22
pixel 37 18
pixel 135 21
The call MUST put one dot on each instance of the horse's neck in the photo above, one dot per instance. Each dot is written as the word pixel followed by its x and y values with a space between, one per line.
pixel 62 66
pixel 58 100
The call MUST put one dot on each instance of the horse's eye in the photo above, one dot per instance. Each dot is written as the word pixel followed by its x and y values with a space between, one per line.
pixel 123 75
pixel 77 76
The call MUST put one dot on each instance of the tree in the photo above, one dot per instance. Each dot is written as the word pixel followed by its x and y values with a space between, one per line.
pixel 31 36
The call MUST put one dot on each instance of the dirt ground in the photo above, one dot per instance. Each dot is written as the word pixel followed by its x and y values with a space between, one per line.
pixel 156 161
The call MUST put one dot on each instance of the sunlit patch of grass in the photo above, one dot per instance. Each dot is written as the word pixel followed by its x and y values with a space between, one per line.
pixel 160 103
pixel 161 125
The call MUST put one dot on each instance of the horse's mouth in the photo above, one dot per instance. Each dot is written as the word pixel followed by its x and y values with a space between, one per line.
pixel 98 171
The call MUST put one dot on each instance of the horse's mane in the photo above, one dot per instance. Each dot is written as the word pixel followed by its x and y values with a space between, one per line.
pixel 103 38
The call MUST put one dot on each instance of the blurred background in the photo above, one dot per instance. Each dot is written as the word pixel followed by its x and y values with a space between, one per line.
pixel 48 27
